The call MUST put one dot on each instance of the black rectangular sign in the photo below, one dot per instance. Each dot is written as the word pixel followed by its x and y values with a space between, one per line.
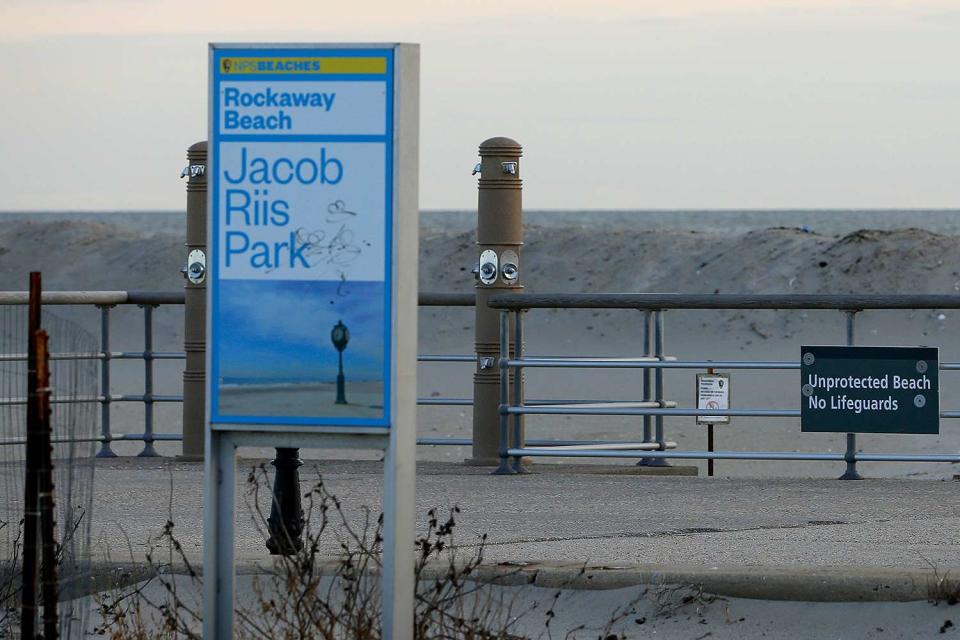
pixel 870 389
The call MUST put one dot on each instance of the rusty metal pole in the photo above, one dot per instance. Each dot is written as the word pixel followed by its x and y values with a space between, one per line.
pixel 47 505
pixel 195 307
pixel 499 239
pixel 31 486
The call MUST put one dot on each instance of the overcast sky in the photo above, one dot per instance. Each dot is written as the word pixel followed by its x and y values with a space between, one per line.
pixel 619 104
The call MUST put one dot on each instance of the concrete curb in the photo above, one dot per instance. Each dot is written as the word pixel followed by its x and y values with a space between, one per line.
pixel 840 584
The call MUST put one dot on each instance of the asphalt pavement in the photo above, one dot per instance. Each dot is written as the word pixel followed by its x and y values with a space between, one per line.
pixel 577 514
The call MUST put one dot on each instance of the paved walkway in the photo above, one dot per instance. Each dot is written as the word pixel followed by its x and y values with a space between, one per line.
pixel 567 514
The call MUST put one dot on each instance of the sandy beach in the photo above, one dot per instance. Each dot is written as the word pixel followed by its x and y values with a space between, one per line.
pixel 365 400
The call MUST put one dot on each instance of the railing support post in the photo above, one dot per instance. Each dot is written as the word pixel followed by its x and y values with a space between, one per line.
pixel 105 450
pixel 148 449
pixel 850 455
pixel 504 467
pixel 518 439
pixel 658 341
pixel 499 239
pixel 647 383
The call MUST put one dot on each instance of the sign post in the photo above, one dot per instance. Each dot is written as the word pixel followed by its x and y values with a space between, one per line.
pixel 713 392
pixel 313 163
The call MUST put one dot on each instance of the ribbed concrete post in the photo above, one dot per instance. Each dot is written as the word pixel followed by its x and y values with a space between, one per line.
pixel 499 238
pixel 195 311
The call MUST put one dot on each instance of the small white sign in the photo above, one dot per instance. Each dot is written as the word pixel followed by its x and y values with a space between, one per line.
pixel 713 392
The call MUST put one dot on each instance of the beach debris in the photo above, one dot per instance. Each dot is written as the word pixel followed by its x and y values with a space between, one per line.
pixel 756 330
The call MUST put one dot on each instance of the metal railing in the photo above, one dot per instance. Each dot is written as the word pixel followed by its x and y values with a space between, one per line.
pixel 105 301
pixel 654 446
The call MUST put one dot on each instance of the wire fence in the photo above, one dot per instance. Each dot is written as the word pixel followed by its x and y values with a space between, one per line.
pixel 74 425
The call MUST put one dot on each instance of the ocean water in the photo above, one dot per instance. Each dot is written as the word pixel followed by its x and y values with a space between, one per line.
pixel 822 221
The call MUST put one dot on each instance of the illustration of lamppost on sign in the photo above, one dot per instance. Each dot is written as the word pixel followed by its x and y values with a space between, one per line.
pixel 340 336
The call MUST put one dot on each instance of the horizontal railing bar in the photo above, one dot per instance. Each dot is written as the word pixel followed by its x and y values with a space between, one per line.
pixel 605 404
pixel 100 355
pixel 624 411
pixel 652 363
pixel 609 446
pixel 22 357
pixel 97 399
pixel 169 355
pixel 440 442
pixel 428 299
pixel 468 402
pixel 733 455
pixel 142 398
pixel 177 297
pixel 645 363
pixel 168 437
pixel 906 457
pixel 443 358
pixel 600 410
pixel 66 297
pixel 156 297
pixel 692 455
pixel 141 355
pixel 618 411
pixel 466 442
pixel 655 301
pixel 5 402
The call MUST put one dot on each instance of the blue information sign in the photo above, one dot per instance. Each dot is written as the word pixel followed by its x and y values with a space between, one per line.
pixel 301 196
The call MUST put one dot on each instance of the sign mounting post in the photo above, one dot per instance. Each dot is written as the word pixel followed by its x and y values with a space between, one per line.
pixel 313 206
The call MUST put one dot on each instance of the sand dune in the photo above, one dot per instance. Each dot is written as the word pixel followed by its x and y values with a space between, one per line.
pixel 629 257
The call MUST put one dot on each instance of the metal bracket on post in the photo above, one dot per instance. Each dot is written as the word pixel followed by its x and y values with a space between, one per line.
pixel 850 455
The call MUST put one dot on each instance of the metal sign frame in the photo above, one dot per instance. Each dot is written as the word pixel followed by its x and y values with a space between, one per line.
pixel 395 434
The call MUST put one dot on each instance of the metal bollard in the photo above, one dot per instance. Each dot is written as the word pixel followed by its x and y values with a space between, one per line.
pixel 850 455
pixel 105 450
pixel 148 449
pixel 195 304
pixel 499 239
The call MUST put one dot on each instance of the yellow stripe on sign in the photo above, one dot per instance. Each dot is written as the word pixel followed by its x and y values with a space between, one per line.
pixel 303 65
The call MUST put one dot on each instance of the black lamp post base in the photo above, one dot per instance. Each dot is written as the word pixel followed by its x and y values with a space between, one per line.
pixel 341 391
pixel 286 512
